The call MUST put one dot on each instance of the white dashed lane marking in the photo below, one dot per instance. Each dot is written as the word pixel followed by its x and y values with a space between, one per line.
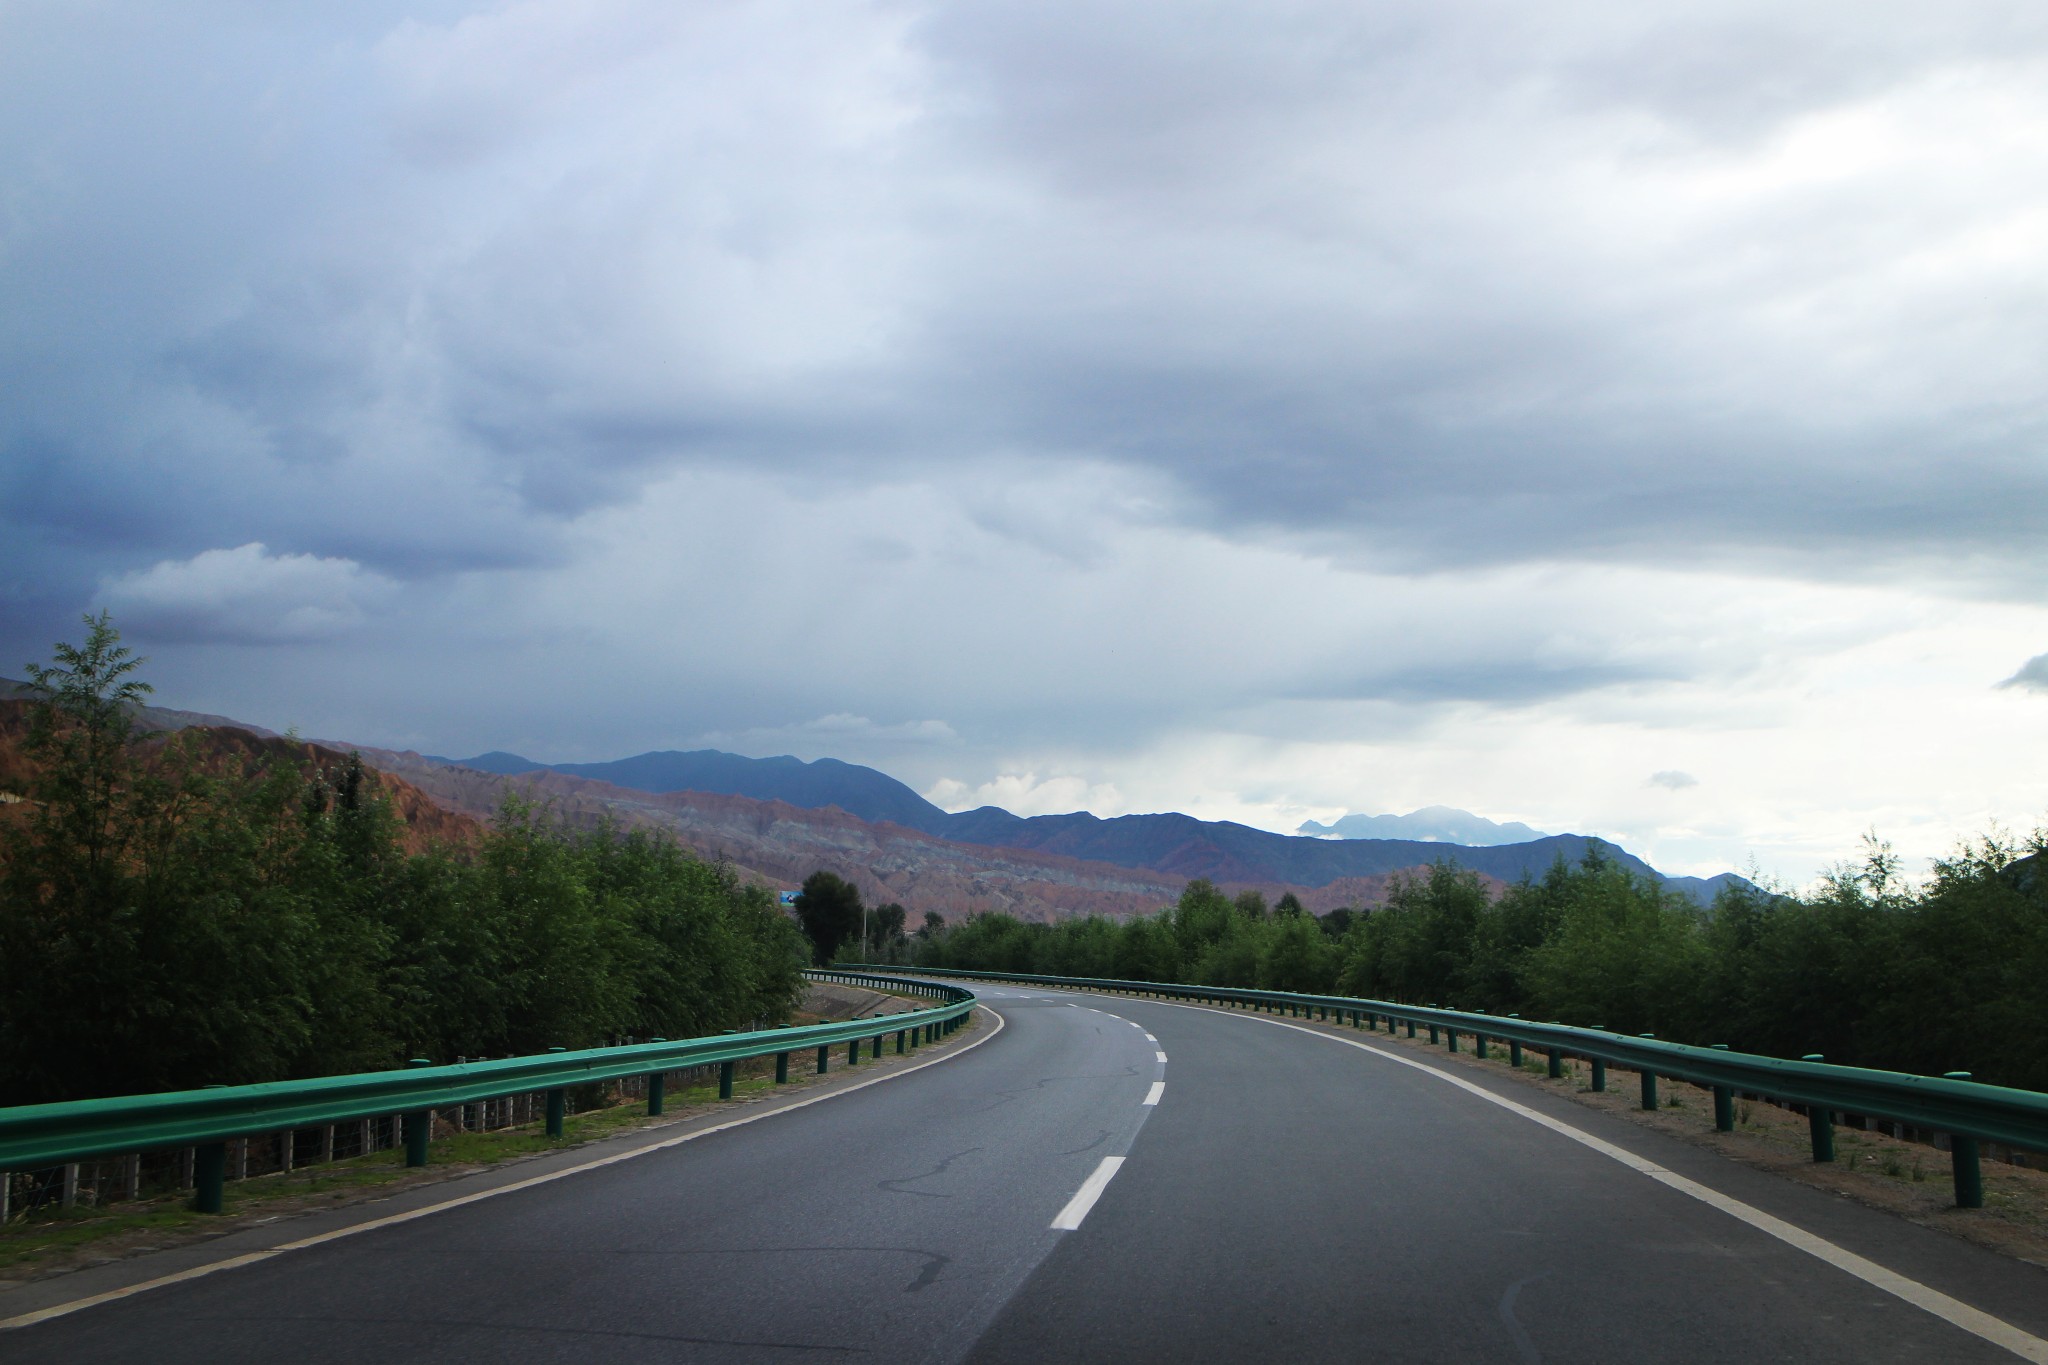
pixel 1084 1198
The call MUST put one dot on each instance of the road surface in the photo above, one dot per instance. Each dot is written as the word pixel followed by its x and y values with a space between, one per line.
pixel 1097 1179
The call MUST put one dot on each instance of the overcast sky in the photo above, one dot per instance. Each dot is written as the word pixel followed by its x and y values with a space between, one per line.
pixel 1627 419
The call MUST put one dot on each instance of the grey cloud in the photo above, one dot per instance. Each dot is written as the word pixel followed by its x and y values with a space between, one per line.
pixel 1398 285
pixel 1673 780
pixel 1253 254
pixel 2032 675
pixel 1505 682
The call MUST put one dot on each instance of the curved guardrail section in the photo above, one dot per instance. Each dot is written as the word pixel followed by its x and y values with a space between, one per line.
pixel 1968 1112
pixel 36 1136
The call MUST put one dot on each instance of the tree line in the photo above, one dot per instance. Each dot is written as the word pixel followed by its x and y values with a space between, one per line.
pixel 1864 970
pixel 171 917
pixel 845 930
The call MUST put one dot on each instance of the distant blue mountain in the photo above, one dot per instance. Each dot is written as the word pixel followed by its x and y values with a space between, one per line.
pixel 1173 843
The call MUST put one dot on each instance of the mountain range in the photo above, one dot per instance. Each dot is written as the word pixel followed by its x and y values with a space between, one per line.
pixel 1179 845
pixel 775 820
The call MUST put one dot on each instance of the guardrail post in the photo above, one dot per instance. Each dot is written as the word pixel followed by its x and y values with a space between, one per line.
pixel 782 1068
pixel 823 1058
pixel 1451 1039
pixel 1724 1102
pixel 853 1053
pixel 419 1127
pixel 1432 1034
pixel 899 1041
pixel 1479 1046
pixel 1820 1127
pixel 657 1087
pixel 1969 1173
pixel 1556 1064
pixel 558 1105
pixel 209 1176
pixel 1514 1054
pixel 1411 1030
pixel 1964 1161
pixel 1820 1122
pixel 725 1080
pixel 1649 1082
pixel 1599 1073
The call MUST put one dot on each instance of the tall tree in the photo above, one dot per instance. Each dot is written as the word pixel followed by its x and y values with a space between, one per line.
pixel 829 909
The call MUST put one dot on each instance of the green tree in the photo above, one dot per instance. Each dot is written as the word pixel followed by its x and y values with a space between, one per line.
pixel 153 931
pixel 81 732
pixel 885 926
pixel 1297 956
pixel 829 909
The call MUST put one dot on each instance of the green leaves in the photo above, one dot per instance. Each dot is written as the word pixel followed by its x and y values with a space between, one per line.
pixel 1867 969
pixel 202 912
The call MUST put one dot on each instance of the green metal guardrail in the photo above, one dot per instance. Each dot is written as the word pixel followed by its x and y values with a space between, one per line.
pixel 1968 1112
pixel 37 1136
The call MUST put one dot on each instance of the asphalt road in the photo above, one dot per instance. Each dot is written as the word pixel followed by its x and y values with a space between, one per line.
pixel 1286 1194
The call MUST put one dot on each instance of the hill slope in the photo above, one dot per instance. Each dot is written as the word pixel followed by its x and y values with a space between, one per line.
pixel 1179 845
pixel 824 782
pixel 424 819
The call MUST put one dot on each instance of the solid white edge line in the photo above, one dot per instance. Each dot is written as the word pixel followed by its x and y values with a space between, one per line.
pixel 1084 1198
pixel 59 1310
pixel 1954 1311
pixel 1158 1089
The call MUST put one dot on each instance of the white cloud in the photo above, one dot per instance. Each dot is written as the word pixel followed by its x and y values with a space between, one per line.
pixel 1028 794
pixel 1671 779
pixel 246 596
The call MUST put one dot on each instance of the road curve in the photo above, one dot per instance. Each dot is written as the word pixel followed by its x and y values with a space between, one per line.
pixel 1110 1179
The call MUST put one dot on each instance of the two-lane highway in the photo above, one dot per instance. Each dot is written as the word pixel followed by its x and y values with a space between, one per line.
pixel 1064 1191
pixel 1304 1193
